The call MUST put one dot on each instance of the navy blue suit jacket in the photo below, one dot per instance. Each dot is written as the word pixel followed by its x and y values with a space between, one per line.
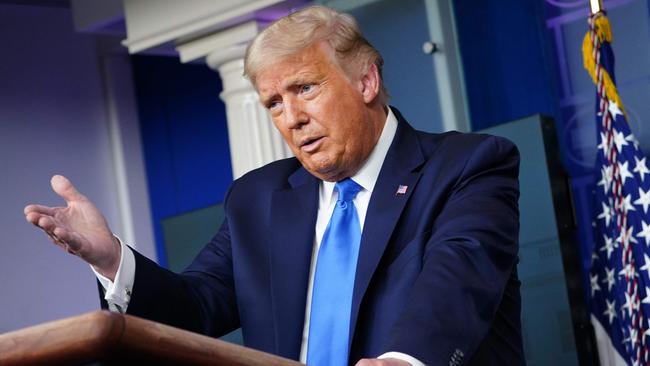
pixel 436 276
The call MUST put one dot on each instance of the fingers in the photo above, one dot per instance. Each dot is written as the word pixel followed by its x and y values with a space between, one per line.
pixel 46 223
pixel 71 239
pixel 65 239
pixel 33 217
pixel 58 234
pixel 44 216
pixel 64 188
pixel 39 209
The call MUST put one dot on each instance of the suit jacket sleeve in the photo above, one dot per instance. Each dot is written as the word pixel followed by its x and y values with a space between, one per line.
pixel 468 262
pixel 201 299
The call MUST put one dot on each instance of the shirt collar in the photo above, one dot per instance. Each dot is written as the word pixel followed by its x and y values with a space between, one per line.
pixel 366 177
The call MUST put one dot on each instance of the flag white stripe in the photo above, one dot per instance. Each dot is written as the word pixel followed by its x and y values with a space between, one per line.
pixel 607 354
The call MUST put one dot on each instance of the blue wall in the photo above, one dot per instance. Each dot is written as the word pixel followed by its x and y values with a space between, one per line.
pixel 398 29
pixel 507 60
pixel 185 138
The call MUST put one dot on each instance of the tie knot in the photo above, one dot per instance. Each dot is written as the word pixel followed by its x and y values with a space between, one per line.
pixel 347 189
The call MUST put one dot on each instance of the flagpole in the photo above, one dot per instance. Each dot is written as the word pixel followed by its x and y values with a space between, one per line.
pixel 621 326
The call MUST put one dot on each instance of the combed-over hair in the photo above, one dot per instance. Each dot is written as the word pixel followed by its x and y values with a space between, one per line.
pixel 298 31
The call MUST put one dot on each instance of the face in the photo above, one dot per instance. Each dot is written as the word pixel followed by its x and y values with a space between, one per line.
pixel 329 120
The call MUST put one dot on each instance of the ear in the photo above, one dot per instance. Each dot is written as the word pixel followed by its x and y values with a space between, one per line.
pixel 369 84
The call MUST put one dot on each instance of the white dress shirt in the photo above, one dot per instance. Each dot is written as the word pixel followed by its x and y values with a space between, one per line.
pixel 118 293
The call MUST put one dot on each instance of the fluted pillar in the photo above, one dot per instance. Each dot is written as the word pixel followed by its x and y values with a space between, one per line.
pixel 254 141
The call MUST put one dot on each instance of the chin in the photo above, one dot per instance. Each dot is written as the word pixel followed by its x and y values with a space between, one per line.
pixel 327 173
pixel 324 168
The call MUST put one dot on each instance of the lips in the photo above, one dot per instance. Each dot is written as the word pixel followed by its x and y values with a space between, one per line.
pixel 310 144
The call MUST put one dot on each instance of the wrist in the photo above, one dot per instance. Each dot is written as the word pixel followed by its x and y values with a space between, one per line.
pixel 112 265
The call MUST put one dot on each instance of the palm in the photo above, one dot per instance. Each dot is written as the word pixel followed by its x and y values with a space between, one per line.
pixel 79 228
pixel 85 224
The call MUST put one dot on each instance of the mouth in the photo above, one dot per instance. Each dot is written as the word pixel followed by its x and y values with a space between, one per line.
pixel 310 144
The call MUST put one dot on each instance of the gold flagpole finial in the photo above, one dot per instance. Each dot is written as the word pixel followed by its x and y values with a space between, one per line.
pixel 596 6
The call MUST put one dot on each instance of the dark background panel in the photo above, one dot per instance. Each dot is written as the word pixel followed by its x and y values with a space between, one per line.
pixel 184 136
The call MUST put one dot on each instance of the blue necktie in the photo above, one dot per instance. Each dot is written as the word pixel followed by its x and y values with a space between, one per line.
pixel 331 303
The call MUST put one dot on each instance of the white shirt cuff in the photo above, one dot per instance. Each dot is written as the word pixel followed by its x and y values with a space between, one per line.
pixel 402 356
pixel 118 293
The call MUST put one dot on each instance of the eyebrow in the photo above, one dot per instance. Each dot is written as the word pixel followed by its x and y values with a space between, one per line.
pixel 298 79
pixel 266 100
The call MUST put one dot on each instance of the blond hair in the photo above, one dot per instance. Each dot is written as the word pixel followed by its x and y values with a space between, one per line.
pixel 298 31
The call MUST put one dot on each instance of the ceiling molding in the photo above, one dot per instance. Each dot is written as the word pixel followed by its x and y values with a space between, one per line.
pixel 165 29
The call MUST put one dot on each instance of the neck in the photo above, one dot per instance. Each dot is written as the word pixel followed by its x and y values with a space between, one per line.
pixel 377 116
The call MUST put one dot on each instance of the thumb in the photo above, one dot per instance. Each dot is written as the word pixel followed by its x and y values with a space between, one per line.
pixel 64 188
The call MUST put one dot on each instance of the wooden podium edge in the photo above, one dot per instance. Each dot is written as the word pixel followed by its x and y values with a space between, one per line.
pixel 73 340
pixel 176 346
pixel 118 338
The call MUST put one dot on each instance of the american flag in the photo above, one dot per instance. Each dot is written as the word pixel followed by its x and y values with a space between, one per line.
pixel 401 189
pixel 620 268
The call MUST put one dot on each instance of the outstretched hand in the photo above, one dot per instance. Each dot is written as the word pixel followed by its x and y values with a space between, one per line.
pixel 79 228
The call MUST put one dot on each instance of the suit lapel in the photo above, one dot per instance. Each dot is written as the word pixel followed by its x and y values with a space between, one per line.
pixel 386 204
pixel 293 219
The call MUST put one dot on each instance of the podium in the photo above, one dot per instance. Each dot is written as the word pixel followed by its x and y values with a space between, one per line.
pixel 107 338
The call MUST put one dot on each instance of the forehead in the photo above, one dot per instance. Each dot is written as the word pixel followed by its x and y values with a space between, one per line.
pixel 310 64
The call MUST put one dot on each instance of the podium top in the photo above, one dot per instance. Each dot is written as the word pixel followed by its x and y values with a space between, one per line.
pixel 114 337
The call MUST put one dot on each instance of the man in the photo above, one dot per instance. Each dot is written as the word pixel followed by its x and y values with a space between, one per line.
pixel 375 241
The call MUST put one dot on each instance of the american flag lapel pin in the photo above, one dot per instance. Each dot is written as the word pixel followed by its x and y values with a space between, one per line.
pixel 401 189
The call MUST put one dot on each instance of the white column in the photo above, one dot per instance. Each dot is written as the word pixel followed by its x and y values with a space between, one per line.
pixel 254 141
pixel 447 67
pixel 135 226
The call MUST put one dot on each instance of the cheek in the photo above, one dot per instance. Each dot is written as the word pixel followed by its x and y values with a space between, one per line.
pixel 284 132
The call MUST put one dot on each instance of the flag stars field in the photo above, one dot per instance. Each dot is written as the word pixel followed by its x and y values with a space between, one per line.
pixel 644 233
pixel 609 246
pixel 605 178
pixel 624 171
pixel 606 213
pixel 594 284
pixel 641 167
pixel 611 311
pixel 644 199
pixel 609 279
pixel 614 110
pixel 620 141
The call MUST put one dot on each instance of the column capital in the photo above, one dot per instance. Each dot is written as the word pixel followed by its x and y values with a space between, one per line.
pixel 218 58
pixel 233 80
pixel 152 23
pixel 230 42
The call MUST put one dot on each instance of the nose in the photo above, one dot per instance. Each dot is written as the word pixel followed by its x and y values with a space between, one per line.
pixel 295 115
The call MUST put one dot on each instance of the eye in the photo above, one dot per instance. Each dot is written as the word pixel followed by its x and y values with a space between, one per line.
pixel 306 88
pixel 273 105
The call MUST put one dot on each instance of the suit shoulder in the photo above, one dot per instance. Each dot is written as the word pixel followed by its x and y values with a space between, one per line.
pixel 274 174
pixel 265 179
pixel 464 144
